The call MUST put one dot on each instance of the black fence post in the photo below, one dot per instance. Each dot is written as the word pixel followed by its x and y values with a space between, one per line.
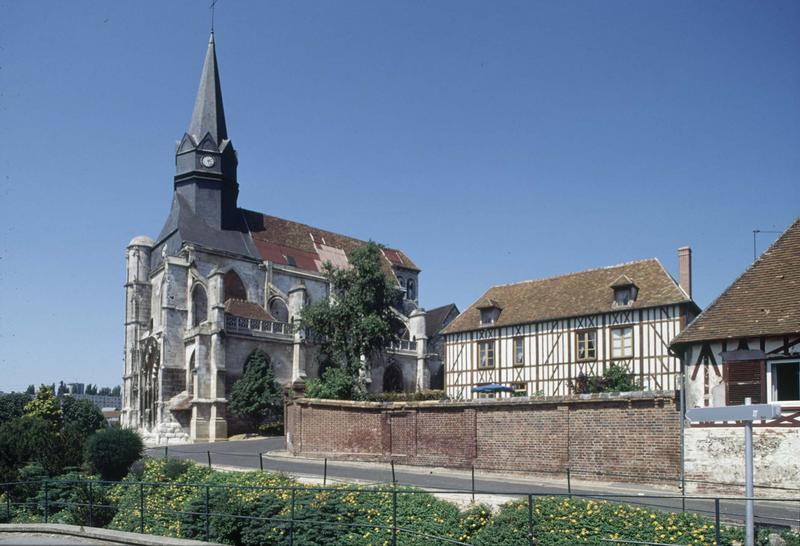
pixel 208 453
pixel 569 483
pixel 206 509
pixel 325 472
pixel 394 479
pixel 716 522
pixel 46 503
pixel 141 507
pixel 530 519
pixel 166 453
pixel 394 514
pixel 91 504
pixel 261 461
pixel 473 483
pixel 291 519
pixel 8 503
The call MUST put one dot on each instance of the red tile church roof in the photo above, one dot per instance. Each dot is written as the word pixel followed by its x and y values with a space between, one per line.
pixel 291 243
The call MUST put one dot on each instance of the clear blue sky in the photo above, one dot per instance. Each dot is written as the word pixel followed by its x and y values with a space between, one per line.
pixel 492 141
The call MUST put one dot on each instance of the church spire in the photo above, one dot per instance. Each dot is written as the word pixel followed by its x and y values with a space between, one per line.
pixel 205 161
pixel 209 115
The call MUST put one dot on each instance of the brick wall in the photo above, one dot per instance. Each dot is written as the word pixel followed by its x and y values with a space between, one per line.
pixel 636 435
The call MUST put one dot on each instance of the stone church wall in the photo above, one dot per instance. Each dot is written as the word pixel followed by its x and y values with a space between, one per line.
pixel 628 437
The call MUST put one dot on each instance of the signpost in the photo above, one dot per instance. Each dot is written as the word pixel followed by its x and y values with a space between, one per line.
pixel 746 414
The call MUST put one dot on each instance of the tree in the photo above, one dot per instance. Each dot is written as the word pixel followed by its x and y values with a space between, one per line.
pixel 82 414
pixel 115 391
pixel 256 397
pixel 358 320
pixel 90 389
pixel 31 390
pixel 112 451
pixel 12 406
pixel 105 391
pixel 45 405
pixel 62 389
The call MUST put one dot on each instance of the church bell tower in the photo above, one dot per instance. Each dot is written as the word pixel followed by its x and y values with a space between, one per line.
pixel 205 161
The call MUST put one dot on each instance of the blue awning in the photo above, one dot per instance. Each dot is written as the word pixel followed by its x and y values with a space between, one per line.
pixel 492 387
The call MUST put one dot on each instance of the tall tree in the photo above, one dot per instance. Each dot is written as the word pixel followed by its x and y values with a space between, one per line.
pixel 256 396
pixel 12 406
pixel 30 390
pixel 62 389
pixel 358 320
pixel 45 406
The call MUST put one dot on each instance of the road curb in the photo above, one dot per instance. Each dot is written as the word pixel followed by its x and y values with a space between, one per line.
pixel 96 533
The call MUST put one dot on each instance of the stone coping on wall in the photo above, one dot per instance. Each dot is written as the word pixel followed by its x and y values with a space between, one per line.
pixel 635 396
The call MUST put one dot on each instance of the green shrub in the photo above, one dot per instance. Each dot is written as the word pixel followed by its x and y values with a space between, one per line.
pixel 68 498
pixel 416 396
pixel 335 384
pixel 111 452
pixel 560 521
pixel 614 379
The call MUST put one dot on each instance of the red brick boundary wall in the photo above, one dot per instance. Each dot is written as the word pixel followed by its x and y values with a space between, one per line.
pixel 635 436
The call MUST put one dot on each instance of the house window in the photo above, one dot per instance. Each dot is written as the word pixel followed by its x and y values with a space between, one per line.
pixel 486 354
pixel 622 342
pixel 744 379
pixel 520 389
pixel 411 292
pixel 489 315
pixel 586 345
pixel 519 351
pixel 622 296
pixel 784 382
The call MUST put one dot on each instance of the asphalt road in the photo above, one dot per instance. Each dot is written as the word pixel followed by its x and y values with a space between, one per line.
pixel 246 454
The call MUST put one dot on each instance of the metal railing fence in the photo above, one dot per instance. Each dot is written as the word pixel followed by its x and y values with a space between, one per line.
pixel 292 519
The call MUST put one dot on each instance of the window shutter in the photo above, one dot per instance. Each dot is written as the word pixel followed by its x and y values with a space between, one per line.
pixel 744 379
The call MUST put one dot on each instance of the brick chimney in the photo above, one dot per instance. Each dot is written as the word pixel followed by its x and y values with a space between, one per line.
pixel 685 269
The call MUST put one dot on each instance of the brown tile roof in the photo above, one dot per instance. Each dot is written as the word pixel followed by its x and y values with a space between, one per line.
pixel 574 294
pixel 764 300
pixel 246 309
pixel 291 243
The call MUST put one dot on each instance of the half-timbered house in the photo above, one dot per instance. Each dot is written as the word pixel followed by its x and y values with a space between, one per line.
pixel 746 344
pixel 538 336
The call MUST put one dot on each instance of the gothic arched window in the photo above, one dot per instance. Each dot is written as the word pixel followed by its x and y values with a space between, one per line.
pixel 233 287
pixel 190 376
pixel 411 289
pixel 199 305
pixel 278 310
pixel 393 379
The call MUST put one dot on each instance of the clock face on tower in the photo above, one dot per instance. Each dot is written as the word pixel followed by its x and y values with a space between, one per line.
pixel 207 161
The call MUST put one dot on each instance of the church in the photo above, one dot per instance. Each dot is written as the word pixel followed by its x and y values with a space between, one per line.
pixel 220 282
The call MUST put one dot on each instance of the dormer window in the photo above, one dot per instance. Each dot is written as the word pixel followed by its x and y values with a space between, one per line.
pixel 625 291
pixel 490 312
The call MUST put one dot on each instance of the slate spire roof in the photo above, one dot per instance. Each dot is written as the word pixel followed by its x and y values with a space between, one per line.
pixel 209 114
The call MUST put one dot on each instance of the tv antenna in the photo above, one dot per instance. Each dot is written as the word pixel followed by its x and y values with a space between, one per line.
pixel 755 232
